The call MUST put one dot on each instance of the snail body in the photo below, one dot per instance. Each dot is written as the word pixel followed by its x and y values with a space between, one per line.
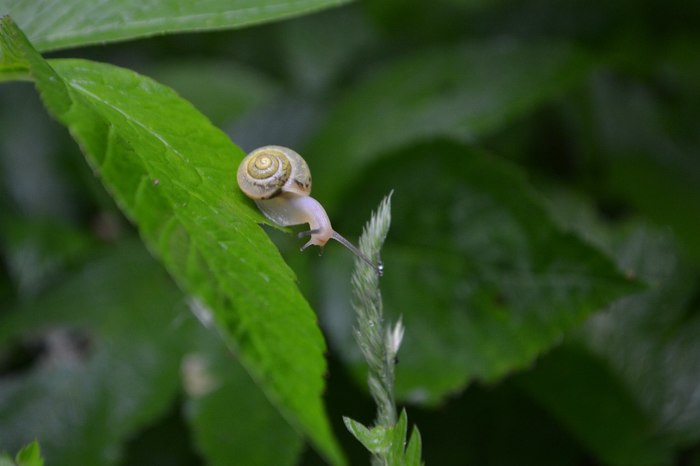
pixel 279 181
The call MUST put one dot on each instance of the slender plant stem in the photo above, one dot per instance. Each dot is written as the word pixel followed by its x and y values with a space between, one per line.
pixel 378 341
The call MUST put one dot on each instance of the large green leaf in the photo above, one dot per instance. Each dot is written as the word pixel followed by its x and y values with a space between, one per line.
pixel 173 173
pixel 465 92
pixel 52 25
pixel 112 338
pixel 483 278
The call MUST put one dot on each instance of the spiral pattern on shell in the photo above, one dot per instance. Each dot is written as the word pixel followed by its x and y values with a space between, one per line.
pixel 270 171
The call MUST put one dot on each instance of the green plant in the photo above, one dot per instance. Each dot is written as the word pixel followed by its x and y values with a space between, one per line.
pixel 30 455
pixel 543 253
pixel 379 343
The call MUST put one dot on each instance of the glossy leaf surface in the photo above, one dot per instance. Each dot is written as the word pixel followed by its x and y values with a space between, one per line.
pixel 53 25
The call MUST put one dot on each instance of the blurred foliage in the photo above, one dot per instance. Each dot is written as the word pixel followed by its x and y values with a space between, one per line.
pixel 30 455
pixel 544 251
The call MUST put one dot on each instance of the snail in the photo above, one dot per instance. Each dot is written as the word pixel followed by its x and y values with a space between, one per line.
pixel 279 181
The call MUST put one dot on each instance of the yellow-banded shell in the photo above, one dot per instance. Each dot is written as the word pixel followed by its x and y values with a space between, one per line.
pixel 270 171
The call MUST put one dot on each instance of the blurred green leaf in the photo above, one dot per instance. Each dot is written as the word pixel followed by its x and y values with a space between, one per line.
pixel 30 455
pixel 587 396
pixel 125 366
pixel 111 341
pixel 231 419
pixel 643 349
pixel 315 65
pixel 465 92
pixel 41 170
pixel 54 25
pixel 485 281
pixel 651 154
pixel 497 425
pixel 222 91
pixel 169 169
pixel 651 340
pixel 422 21
pixel 36 251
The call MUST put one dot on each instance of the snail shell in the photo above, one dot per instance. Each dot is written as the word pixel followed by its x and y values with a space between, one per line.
pixel 273 170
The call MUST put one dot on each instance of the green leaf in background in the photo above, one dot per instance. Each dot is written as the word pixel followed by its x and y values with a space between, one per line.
pixel 173 173
pixel 484 279
pixel 439 19
pixel 315 65
pixel 53 25
pixel 638 360
pixel 41 170
pixel 30 455
pixel 230 416
pixel 465 92
pixel 495 424
pixel 651 157
pixel 37 251
pixel 650 340
pixel 584 392
pixel 222 91
pixel 231 420
pixel 113 337
pixel 27 456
